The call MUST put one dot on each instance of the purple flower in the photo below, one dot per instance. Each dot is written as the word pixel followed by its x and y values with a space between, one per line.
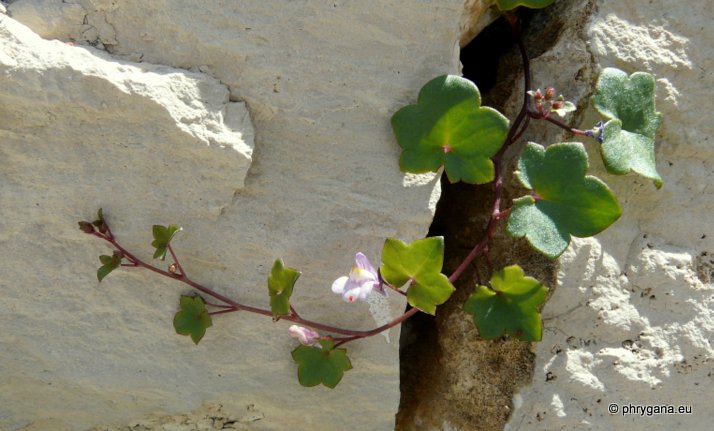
pixel 599 130
pixel 361 281
pixel 306 336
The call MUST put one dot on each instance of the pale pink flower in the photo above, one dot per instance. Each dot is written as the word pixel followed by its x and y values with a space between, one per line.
pixel 306 336
pixel 360 283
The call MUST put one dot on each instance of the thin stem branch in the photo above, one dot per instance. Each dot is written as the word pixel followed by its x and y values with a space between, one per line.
pixel 550 119
pixel 516 130
pixel 342 340
pixel 520 133
pixel 108 234
pixel 503 214
pixel 294 311
pixel 176 261
pixel 518 127
pixel 227 310
pixel 237 306
pixel 375 331
pixel 216 305
pixel 467 261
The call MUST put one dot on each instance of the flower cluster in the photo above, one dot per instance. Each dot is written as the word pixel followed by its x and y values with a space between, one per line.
pixel 547 103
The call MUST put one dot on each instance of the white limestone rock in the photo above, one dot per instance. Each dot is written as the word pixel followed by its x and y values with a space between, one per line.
pixel 632 320
pixel 51 19
pixel 163 122
pixel 79 130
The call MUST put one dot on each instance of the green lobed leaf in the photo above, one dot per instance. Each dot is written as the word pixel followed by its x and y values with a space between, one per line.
pixel 280 286
pixel 323 364
pixel 628 138
pixel 512 4
pixel 192 318
pixel 418 263
pixel 510 308
pixel 448 126
pixel 162 236
pixel 568 201
pixel 109 264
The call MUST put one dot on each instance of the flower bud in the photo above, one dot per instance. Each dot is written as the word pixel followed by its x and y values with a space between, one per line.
pixel 306 336
pixel 86 227
pixel 549 93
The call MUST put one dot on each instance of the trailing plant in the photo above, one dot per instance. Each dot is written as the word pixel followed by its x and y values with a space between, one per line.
pixel 447 128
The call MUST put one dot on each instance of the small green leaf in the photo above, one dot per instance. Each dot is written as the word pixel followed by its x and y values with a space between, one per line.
pixel 449 127
pixel 628 138
pixel 512 4
pixel 510 308
pixel 103 271
pixel 99 223
pixel 109 264
pixel 324 365
pixel 566 201
pixel 280 286
pixel 162 236
pixel 100 218
pixel 419 264
pixel 193 318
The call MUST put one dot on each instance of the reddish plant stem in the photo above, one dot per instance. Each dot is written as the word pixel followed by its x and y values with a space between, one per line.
pixel 294 311
pixel 503 214
pixel 525 125
pixel 550 119
pixel 389 286
pixel 375 331
pixel 519 126
pixel 216 305
pixel 342 340
pixel 176 261
pixel 236 306
pixel 227 310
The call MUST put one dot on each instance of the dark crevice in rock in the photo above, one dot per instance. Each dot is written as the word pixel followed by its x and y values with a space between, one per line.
pixel 451 379
pixel 480 58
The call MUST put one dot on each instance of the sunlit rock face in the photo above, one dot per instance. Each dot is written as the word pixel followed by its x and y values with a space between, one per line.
pixel 632 321
pixel 264 132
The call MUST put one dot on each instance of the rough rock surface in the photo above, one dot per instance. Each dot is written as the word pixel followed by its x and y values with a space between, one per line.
pixel 471 386
pixel 146 117
pixel 632 321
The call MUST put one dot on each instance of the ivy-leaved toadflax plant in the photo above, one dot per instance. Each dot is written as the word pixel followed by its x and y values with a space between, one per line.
pixel 447 127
